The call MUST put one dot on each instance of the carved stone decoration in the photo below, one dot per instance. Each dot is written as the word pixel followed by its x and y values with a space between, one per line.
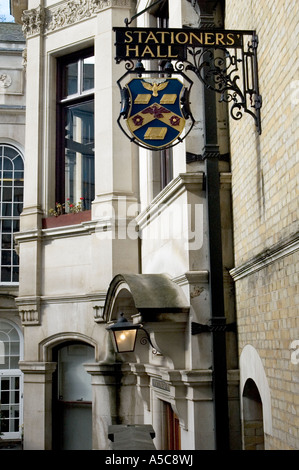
pixel 29 316
pixel 24 57
pixel 29 310
pixel 69 13
pixel 98 313
pixel 33 21
pixel 5 80
pixel 45 20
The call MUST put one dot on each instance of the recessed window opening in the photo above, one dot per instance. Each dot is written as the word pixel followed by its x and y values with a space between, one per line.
pixel 10 381
pixel 75 130
pixel 11 206
pixel 253 428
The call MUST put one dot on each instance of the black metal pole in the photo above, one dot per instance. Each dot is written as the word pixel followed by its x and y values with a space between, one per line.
pixel 218 320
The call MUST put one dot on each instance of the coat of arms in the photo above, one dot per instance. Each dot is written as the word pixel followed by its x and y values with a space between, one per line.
pixel 155 116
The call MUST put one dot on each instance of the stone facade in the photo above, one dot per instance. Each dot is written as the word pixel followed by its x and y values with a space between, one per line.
pixel 76 277
pixel 143 250
pixel 12 143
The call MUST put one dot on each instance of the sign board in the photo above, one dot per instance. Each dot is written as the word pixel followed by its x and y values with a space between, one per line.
pixel 171 44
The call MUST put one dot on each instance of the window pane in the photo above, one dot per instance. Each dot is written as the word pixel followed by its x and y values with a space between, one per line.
pixel 14 362
pixel 7 181
pixel 6 209
pixel 88 73
pixel 15 258
pixel 79 154
pixel 18 194
pixel 6 241
pixel 70 79
pixel 15 274
pixel 7 164
pixel 5 384
pixel 6 257
pixel 17 209
pixel 6 226
pixel 10 152
pixel 7 194
pixel 4 398
pixel 18 163
pixel 7 177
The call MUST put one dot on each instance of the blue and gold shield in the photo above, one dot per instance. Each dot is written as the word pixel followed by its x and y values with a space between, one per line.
pixel 155 117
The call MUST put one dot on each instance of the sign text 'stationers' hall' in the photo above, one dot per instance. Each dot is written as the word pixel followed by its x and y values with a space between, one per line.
pixel 154 43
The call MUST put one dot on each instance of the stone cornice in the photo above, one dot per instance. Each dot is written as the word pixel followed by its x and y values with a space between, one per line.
pixel 185 181
pixel 267 257
pixel 42 20
pixel 192 277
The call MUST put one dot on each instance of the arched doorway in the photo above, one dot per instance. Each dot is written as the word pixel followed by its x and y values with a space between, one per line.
pixel 253 428
pixel 11 383
pixel 72 397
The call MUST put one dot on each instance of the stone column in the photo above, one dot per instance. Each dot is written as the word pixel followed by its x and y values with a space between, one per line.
pixel 105 381
pixel 201 433
pixel 29 239
pixel 116 163
pixel 33 25
pixel 37 404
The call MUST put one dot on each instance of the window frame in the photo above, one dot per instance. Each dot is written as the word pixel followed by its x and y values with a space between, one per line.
pixel 12 218
pixel 61 105
pixel 10 375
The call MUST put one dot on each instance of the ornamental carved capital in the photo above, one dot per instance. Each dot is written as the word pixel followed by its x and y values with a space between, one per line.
pixel 33 21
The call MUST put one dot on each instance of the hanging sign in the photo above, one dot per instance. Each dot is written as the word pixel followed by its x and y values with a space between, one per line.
pixel 156 109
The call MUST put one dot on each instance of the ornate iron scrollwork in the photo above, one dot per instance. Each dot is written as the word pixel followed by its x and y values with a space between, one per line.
pixel 231 72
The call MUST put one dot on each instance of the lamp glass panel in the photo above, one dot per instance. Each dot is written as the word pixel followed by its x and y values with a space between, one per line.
pixel 125 340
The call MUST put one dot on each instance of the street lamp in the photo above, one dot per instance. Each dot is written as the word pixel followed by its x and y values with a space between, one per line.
pixel 124 335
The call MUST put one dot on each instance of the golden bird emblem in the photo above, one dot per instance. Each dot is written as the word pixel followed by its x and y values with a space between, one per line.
pixel 155 85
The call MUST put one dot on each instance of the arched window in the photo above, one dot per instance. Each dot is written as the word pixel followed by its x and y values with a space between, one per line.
pixel 10 381
pixel 253 428
pixel 11 205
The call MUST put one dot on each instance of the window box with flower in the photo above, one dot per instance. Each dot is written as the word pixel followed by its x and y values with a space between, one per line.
pixel 69 214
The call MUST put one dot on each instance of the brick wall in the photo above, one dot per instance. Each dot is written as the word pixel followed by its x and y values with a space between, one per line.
pixel 265 172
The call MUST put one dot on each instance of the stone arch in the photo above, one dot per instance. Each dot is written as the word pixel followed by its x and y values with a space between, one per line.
pixel 160 304
pixel 144 293
pixel 251 367
pixel 46 346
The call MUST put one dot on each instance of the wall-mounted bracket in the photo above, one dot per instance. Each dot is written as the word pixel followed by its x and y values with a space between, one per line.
pixel 232 72
pixel 217 324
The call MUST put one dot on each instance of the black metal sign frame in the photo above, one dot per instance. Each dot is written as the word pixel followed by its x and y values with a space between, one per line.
pixel 225 61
